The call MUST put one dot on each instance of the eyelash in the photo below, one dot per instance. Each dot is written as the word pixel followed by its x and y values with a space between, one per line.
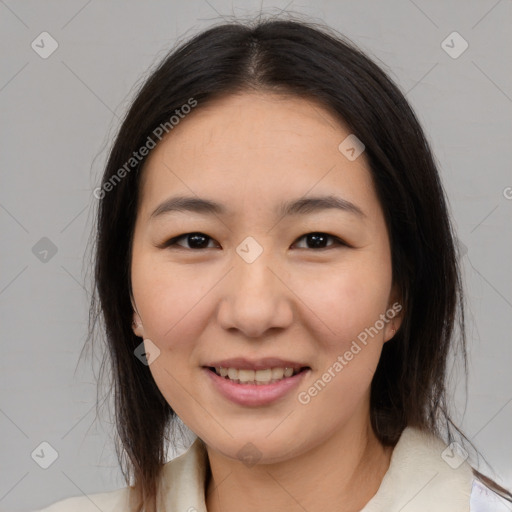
pixel 172 241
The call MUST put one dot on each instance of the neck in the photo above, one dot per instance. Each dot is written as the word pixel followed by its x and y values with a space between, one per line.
pixel 342 473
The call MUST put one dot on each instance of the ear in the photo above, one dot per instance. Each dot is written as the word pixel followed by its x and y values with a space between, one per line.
pixel 137 326
pixel 394 314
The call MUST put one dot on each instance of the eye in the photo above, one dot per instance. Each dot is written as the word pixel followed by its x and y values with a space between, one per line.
pixel 195 240
pixel 318 240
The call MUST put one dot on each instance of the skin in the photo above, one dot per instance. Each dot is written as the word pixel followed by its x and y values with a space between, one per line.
pixel 251 151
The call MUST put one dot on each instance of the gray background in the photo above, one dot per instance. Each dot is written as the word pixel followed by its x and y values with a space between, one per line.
pixel 59 114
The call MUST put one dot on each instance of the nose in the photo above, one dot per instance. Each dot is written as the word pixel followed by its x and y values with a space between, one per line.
pixel 255 299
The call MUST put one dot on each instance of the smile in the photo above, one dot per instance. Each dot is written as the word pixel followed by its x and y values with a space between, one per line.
pixel 255 388
pixel 257 377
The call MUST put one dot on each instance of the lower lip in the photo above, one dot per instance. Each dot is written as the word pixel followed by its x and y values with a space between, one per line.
pixel 255 394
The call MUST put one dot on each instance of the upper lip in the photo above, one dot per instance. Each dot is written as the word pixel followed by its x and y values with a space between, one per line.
pixel 257 364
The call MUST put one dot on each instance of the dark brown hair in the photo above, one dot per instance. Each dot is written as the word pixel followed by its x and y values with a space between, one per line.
pixel 314 62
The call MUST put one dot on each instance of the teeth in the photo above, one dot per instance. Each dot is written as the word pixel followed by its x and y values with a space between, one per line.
pixel 267 376
pixel 264 376
pixel 277 373
pixel 243 375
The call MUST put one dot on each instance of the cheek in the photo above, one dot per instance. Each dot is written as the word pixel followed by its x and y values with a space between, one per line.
pixel 170 301
pixel 172 305
pixel 343 302
pixel 350 350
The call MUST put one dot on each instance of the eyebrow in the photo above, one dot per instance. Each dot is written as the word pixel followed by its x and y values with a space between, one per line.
pixel 301 206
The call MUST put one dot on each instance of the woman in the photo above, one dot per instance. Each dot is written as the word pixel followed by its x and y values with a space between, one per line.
pixel 276 267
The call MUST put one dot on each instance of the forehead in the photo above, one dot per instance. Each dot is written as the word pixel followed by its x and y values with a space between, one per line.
pixel 254 148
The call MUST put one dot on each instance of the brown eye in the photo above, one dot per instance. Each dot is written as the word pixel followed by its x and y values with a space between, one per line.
pixel 195 241
pixel 319 240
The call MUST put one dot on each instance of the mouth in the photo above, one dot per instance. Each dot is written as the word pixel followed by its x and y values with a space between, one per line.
pixel 258 377
pixel 256 384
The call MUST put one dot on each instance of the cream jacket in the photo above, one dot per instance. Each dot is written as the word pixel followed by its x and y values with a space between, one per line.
pixel 418 480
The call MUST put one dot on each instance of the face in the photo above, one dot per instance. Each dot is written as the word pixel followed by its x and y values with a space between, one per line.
pixel 287 265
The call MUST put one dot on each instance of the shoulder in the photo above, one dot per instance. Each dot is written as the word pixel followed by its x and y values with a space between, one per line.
pixel 484 499
pixel 112 501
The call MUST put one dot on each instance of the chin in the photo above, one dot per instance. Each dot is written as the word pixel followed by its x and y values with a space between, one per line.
pixel 256 447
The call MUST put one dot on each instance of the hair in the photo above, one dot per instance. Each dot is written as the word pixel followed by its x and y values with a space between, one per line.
pixel 314 62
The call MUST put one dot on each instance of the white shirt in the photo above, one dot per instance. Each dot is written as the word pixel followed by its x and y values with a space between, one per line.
pixel 418 480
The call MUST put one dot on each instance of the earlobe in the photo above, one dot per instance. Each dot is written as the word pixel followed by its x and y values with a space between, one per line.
pixel 137 325
pixel 394 315
pixel 390 333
